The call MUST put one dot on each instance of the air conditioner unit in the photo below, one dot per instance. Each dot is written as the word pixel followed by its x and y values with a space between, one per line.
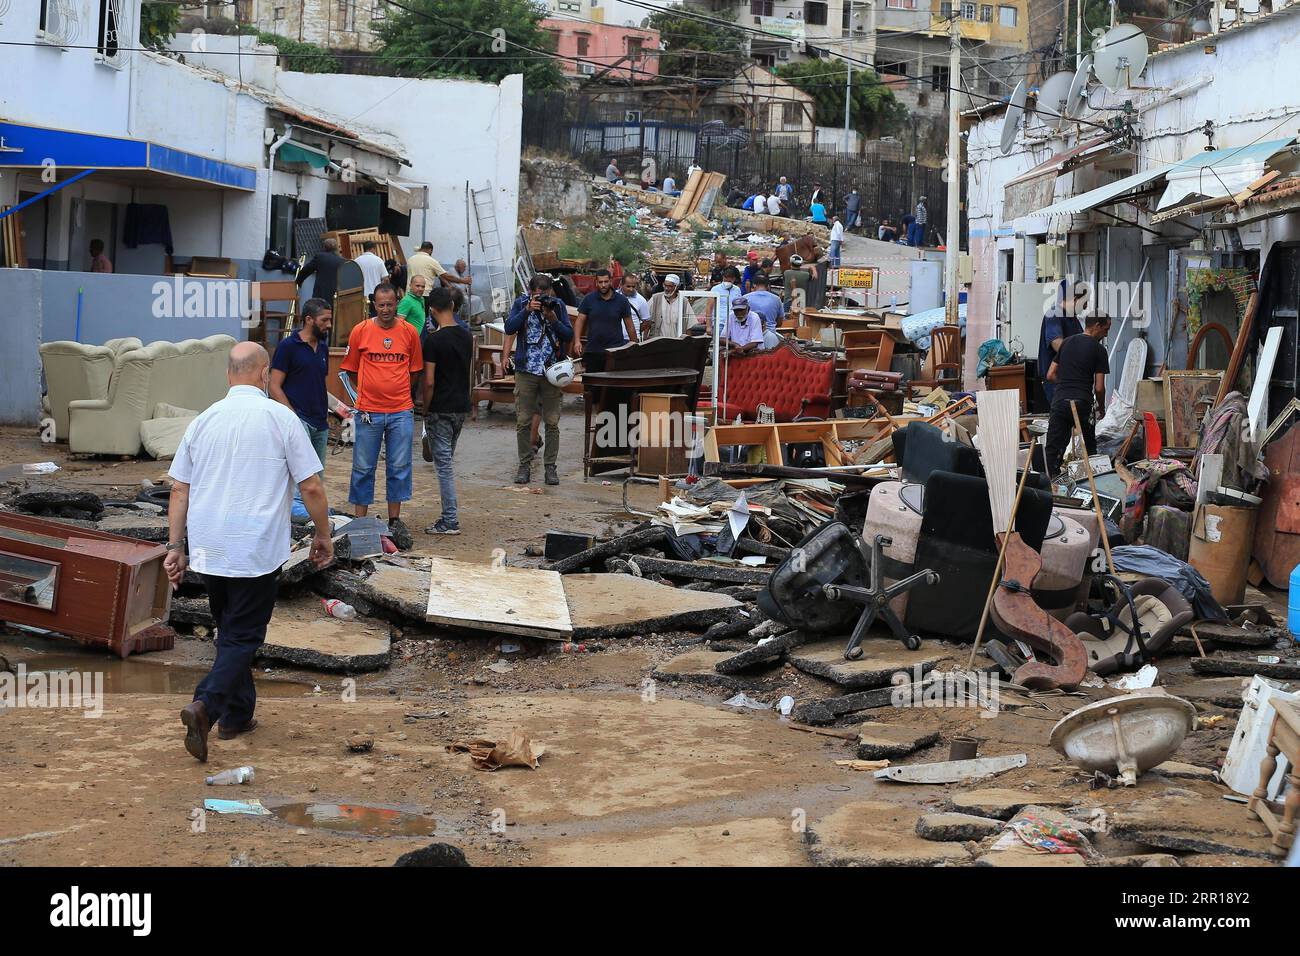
pixel 1051 261
pixel 965 269
pixel 783 54
pixel 587 69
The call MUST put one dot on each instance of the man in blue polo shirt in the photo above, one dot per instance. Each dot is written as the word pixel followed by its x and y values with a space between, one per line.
pixel 298 373
pixel 761 300
pixel 605 316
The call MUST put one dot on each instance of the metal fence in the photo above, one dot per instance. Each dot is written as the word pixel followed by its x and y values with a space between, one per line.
pixel 666 141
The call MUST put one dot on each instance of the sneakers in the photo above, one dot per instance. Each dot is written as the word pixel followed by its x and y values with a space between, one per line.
pixel 524 476
pixel 426 445
pixel 401 534
pixel 442 527
pixel 552 476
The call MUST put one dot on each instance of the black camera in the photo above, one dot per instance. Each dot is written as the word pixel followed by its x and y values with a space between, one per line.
pixel 550 302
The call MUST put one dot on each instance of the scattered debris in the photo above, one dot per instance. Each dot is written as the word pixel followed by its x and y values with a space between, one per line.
pixel 516 749
pixel 953 771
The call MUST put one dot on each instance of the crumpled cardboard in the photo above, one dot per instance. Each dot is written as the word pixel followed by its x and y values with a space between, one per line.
pixel 516 749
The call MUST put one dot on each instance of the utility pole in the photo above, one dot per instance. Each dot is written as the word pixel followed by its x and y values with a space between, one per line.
pixel 848 98
pixel 952 239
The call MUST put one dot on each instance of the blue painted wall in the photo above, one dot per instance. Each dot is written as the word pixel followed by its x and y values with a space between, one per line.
pixel 20 359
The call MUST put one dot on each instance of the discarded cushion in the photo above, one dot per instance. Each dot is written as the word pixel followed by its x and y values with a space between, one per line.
pixel 162 436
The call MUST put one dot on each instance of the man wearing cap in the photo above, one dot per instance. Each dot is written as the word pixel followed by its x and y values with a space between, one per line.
pixel 919 221
pixel 665 311
pixel 797 278
pixel 751 270
pixel 744 328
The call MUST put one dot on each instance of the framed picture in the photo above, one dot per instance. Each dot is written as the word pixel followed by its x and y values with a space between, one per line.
pixel 1188 396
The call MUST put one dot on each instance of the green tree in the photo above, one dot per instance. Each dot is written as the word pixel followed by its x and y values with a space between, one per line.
pixel 158 24
pixel 874 111
pixel 483 39
pixel 694 48
pixel 298 56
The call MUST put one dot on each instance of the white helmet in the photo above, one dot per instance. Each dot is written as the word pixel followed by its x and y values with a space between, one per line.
pixel 561 373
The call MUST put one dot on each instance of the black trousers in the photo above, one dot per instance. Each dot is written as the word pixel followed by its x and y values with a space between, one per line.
pixel 1060 426
pixel 241 608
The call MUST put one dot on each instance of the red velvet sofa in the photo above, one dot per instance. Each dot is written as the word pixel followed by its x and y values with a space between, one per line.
pixel 794 382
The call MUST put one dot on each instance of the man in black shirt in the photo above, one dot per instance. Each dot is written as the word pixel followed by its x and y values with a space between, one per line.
pixel 448 352
pixel 325 267
pixel 1079 373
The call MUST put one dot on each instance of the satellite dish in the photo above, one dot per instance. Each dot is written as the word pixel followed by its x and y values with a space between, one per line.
pixel 1119 56
pixel 1015 110
pixel 1053 96
pixel 1078 94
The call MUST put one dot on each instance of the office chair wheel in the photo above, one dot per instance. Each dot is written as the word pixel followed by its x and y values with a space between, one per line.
pixel 912 643
pixel 854 653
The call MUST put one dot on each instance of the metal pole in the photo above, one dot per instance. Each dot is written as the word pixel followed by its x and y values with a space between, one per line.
pixel 848 98
pixel 952 229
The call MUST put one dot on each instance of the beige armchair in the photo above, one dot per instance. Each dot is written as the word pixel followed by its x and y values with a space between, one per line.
pixel 73 372
pixel 190 374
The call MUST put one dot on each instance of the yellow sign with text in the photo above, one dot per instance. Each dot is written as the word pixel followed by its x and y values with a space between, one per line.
pixel 857 279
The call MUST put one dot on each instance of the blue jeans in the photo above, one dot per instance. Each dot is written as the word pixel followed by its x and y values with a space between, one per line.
pixel 915 233
pixel 835 252
pixel 444 430
pixel 320 440
pixel 397 431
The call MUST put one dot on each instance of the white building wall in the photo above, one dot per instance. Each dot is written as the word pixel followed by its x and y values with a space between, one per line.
pixel 1243 80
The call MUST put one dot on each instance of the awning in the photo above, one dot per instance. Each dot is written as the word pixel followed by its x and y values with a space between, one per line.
pixel 292 152
pixel 1202 168
pixel 34 147
pixel 1034 189
pixel 1230 174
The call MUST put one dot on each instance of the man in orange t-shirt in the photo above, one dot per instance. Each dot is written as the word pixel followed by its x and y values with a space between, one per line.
pixel 383 357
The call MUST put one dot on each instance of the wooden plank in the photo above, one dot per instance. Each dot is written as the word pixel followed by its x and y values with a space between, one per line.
pixel 524 601
pixel 999 440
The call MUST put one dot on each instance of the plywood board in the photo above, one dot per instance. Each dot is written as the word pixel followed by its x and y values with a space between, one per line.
pixel 1263 374
pixel 508 600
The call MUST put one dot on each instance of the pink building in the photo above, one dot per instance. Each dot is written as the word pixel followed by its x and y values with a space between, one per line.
pixel 601 49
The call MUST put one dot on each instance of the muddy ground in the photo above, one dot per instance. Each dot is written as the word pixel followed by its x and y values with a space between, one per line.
pixel 632 774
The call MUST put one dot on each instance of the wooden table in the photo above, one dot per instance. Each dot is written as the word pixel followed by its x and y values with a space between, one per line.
pixel 602 392
pixel 1283 739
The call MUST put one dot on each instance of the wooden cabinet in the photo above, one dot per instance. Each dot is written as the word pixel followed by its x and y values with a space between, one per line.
pixel 98 588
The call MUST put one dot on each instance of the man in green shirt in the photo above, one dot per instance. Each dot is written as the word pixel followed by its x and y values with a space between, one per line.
pixel 411 307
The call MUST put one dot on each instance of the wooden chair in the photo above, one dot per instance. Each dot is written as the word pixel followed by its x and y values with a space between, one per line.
pixel 943 364
pixel 275 321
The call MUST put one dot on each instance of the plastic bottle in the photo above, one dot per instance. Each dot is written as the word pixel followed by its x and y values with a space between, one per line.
pixel 1293 604
pixel 336 608
pixel 234 775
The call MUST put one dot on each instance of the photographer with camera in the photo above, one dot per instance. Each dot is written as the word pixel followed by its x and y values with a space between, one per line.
pixel 540 325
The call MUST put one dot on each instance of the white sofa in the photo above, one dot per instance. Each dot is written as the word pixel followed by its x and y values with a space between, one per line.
pixel 76 371
pixel 189 374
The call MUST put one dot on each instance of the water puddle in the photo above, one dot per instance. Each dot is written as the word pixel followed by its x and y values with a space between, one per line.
pixel 137 677
pixel 356 818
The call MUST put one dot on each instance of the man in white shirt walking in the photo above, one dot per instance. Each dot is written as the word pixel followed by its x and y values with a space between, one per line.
pixel 837 240
pixel 373 271
pixel 233 478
